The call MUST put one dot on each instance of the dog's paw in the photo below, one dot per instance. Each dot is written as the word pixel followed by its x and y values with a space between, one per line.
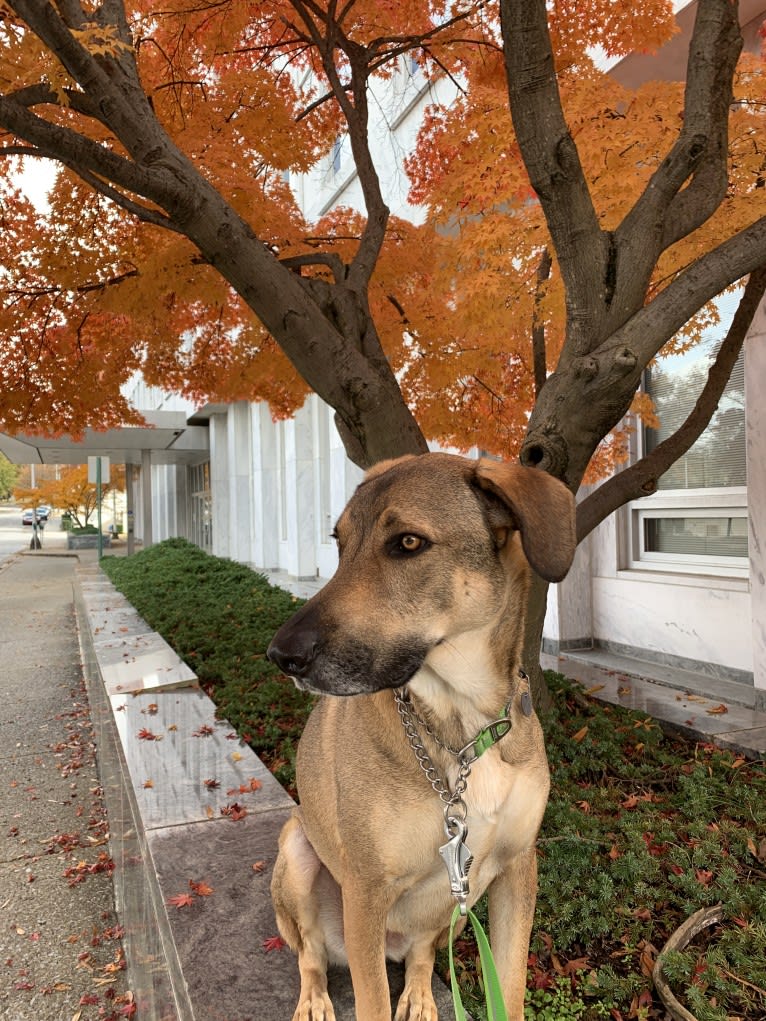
pixel 416 1004
pixel 315 1007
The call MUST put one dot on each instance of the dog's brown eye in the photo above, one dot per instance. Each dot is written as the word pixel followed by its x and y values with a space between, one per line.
pixel 411 543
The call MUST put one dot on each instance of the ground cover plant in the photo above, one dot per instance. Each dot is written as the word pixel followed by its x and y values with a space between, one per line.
pixel 643 827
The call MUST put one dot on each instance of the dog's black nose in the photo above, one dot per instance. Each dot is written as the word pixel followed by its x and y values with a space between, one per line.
pixel 293 654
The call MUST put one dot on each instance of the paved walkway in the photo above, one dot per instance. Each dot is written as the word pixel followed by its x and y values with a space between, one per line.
pixel 60 952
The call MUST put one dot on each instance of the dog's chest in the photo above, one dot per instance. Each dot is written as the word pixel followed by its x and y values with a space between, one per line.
pixel 505 805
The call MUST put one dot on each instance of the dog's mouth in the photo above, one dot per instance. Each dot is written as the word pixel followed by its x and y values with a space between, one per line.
pixel 360 670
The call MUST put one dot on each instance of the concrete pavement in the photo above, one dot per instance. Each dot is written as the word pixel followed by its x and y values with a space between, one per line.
pixel 60 951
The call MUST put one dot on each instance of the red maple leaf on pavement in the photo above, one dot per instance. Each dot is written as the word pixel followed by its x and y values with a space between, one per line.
pixel 273 943
pixel 181 900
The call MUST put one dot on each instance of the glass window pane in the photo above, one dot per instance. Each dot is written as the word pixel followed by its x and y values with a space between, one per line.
pixel 718 457
pixel 717 537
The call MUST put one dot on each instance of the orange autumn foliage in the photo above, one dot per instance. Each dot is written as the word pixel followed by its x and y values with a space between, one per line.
pixel 92 295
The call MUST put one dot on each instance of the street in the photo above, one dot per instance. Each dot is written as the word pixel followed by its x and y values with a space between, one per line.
pixel 13 535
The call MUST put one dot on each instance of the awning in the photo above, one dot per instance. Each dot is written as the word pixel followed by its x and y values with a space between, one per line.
pixel 168 437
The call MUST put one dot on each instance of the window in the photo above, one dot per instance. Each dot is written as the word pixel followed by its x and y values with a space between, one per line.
pixel 201 517
pixel 697 520
pixel 336 157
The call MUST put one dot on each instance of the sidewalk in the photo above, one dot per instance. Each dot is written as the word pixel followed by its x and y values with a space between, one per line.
pixel 60 951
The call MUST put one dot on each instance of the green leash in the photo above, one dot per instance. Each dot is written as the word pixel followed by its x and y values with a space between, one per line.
pixel 494 996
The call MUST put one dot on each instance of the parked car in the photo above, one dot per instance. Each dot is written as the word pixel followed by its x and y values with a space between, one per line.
pixel 43 513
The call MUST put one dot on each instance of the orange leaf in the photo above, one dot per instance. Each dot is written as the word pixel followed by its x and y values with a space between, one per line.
pixel 717 710
pixel 180 900
pixel 201 888
pixel 580 734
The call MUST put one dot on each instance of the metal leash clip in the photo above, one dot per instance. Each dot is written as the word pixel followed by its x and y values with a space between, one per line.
pixel 457 859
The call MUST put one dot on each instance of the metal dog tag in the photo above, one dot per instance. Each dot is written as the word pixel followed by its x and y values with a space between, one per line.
pixel 457 859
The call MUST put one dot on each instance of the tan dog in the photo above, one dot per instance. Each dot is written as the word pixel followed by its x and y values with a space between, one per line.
pixel 429 594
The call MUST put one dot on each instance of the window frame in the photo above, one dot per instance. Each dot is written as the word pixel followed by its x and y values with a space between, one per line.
pixel 726 502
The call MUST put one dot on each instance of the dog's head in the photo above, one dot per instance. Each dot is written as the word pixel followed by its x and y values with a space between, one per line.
pixel 431 549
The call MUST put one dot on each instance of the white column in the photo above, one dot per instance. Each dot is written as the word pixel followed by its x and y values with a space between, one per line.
pixel 755 432
pixel 219 485
pixel 265 488
pixel 146 498
pixel 299 466
pixel 569 615
pixel 240 458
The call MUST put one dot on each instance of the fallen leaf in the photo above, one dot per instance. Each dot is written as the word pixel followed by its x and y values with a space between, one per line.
pixel 148 784
pixel 717 710
pixel 234 811
pixel 201 888
pixel 259 866
pixel 273 943
pixel 580 734
pixel 180 900
pixel 147 735
pixel 212 784
pixel 593 690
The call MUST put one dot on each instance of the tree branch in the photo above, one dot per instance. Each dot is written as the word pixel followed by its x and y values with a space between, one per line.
pixel 538 326
pixel 664 213
pixel 352 100
pixel 86 158
pixel 641 478
pixel 331 259
pixel 553 164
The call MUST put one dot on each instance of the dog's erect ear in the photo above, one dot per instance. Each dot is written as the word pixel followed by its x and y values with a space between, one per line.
pixel 540 507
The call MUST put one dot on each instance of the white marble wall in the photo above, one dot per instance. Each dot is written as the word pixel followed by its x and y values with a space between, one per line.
pixel 755 421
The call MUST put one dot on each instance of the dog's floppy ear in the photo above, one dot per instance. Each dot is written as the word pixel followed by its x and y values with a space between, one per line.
pixel 540 507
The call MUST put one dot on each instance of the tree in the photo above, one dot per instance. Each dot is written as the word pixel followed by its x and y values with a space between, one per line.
pixel 71 493
pixel 8 474
pixel 601 223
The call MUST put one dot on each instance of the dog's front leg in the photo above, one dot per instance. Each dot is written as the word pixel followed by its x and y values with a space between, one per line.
pixel 511 913
pixel 417 1002
pixel 364 925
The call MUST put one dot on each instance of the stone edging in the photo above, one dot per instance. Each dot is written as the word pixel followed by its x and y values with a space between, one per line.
pixel 188 803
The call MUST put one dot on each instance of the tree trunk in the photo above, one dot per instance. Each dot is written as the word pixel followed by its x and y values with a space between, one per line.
pixel 533 636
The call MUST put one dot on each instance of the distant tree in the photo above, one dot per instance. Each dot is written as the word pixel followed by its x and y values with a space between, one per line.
pixel 8 475
pixel 71 493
